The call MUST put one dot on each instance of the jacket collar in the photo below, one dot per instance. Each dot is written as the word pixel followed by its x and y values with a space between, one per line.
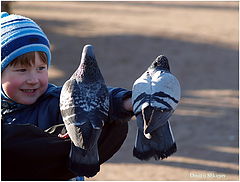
pixel 8 105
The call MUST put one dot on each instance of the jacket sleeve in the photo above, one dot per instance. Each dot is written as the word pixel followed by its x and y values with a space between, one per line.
pixel 30 154
pixel 116 111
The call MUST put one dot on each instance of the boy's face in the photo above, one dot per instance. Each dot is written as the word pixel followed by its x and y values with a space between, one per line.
pixel 25 84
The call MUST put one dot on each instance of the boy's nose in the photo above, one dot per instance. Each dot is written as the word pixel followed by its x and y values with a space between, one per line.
pixel 32 80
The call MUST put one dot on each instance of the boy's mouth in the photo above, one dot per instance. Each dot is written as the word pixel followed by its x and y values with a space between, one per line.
pixel 28 90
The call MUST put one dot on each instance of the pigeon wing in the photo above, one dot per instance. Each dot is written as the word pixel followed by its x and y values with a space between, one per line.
pixel 165 90
pixel 155 96
pixel 102 107
pixel 141 92
pixel 71 103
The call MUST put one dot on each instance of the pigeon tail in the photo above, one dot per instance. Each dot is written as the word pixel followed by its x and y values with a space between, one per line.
pixel 167 153
pixel 84 163
pixel 147 155
pixel 142 150
pixel 83 136
pixel 160 146
pixel 89 135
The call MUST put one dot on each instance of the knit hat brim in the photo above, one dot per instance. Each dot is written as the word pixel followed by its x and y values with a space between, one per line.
pixel 20 35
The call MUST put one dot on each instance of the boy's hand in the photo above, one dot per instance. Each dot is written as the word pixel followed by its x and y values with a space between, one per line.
pixel 63 136
pixel 127 104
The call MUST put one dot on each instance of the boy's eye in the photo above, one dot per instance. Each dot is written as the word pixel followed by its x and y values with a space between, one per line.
pixel 41 68
pixel 20 70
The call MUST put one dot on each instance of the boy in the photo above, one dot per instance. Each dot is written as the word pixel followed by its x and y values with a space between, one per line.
pixel 30 105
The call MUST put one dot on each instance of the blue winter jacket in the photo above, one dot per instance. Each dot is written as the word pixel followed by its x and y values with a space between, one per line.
pixel 45 112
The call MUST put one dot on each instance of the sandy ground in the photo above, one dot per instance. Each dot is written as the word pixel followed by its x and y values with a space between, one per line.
pixel 201 41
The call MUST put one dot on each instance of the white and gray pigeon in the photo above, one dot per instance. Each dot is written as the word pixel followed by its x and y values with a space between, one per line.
pixel 84 105
pixel 155 96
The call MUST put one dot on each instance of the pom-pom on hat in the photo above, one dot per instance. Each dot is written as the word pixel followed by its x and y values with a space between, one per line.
pixel 20 35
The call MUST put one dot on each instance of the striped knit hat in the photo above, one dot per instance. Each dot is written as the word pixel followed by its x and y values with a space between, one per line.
pixel 20 35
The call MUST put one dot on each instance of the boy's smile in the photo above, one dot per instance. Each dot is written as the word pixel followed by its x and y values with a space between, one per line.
pixel 29 92
pixel 25 84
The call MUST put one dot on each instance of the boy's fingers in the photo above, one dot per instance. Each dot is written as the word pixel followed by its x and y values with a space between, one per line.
pixel 64 136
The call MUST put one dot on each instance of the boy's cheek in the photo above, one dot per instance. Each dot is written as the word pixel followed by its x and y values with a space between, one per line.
pixel 9 89
pixel 45 81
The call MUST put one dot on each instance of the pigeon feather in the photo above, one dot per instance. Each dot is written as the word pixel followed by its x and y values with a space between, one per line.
pixel 84 105
pixel 155 96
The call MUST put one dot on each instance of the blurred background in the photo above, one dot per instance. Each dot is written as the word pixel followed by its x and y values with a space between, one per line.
pixel 201 42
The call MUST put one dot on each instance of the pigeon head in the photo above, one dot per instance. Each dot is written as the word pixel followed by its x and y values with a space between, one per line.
pixel 161 63
pixel 88 70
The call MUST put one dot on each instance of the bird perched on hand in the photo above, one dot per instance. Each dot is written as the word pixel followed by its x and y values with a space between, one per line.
pixel 84 105
pixel 155 96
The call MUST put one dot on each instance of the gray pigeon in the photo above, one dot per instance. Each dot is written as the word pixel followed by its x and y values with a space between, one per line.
pixel 84 105
pixel 155 96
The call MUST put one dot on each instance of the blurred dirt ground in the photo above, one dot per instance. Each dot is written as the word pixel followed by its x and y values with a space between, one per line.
pixel 201 41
